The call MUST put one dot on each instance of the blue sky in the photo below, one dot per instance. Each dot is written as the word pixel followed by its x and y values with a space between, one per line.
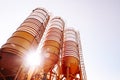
pixel 97 20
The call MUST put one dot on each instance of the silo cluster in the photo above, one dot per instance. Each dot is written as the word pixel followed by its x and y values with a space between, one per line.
pixel 59 49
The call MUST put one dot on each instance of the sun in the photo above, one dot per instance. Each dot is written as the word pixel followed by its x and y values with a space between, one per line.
pixel 33 59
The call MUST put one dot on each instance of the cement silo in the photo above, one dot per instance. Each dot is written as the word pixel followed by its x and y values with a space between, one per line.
pixel 52 43
pixel 70 55
pixel 23 40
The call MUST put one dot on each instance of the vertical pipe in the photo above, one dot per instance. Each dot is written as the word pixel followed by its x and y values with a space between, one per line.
pixel 30 73
pixel 67 78
pixel 83 75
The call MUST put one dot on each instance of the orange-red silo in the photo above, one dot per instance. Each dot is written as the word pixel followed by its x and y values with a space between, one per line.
pixel 70 54
pixel 25 39
pixel 52 44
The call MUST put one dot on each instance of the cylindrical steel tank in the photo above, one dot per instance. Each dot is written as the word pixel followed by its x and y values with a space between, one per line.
pixel 52 43
pixel 70 53
pixel 26 38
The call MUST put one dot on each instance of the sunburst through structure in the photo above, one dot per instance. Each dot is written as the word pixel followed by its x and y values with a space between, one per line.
pixel 58 57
